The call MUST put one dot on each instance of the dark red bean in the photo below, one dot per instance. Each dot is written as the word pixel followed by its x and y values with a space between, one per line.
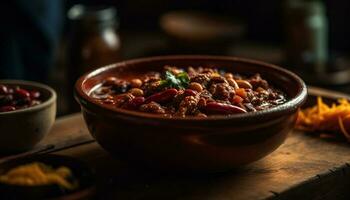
pixel 22 93
pixel 161 97
pixel 221 108
pixel 34 94
pixel 7 108
pixel 189 92
pixel 3 89
pixel 136 102
pixel 21 101
pixel 17 98
pixel 6 99
pixel 10 90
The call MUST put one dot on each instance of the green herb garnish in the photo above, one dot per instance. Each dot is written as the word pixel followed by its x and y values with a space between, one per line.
pixel 179 81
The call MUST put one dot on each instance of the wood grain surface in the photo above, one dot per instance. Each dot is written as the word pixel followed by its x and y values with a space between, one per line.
pixel 300 159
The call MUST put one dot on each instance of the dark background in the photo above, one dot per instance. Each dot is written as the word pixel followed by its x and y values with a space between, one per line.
pixel 34 34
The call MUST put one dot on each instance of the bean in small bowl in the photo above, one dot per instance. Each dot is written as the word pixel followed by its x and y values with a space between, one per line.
pixel 15 98
pixel 28 110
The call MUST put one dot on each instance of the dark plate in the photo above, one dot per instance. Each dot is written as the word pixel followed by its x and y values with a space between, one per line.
pixel 328 96
pixel 81 171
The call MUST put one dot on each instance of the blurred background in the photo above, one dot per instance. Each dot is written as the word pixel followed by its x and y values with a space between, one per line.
pixel 56 41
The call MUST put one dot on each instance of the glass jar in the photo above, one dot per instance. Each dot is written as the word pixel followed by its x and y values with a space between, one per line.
pixel 93 41
pixel 307 35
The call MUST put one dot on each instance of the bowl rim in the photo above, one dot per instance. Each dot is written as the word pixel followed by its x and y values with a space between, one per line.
pixel 290 106
pixel 49 101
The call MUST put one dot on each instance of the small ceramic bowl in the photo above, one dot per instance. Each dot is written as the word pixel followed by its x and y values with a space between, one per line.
pixel 22 129
pixel 214 143
pixel 82 173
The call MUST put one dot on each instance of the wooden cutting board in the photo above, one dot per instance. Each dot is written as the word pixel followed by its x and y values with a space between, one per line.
pixel 304 167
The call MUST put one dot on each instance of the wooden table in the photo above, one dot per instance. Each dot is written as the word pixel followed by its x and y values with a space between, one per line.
pixel 304 167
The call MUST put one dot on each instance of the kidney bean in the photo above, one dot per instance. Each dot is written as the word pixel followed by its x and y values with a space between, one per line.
pixel 10 90
pixel 7 108
pixel 22 101
pixel 6 99
pixel 34 94
pixel 161 97
pixel 136 102
pixel 3 89
pixel 22 93
pixel 189 92
pixel 17 98
pixel 221 108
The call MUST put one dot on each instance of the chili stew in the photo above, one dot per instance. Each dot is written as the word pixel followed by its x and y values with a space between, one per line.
pixel 189 91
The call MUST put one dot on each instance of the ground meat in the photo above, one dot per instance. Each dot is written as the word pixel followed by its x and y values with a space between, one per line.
pixel 202 102
pixel 151 76
pixel 206 94
pixel 178 98
pixel 221 91
pixel 200 70
pixel 256 81
pixel 188 105
pixel 151 86
pixel 218 79
pixel 152 107
pixel 202 79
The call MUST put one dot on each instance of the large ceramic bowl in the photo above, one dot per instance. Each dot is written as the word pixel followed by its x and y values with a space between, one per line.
pixel 213 143
pixel 22 129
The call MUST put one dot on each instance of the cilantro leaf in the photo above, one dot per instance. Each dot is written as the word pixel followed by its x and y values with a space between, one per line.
pixel 179 81
pixel 183 78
